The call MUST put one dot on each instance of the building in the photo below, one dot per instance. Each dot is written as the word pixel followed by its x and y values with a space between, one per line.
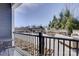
pixel 7 25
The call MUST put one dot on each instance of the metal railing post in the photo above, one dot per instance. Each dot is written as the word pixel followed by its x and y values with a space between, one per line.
pixel 41 44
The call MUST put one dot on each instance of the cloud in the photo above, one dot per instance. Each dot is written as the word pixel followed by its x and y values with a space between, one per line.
pixel 25 6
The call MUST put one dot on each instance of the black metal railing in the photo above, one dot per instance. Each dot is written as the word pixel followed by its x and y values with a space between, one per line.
pixel 40 45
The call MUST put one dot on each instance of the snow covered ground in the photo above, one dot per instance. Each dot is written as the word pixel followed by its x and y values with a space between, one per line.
pixel 7 52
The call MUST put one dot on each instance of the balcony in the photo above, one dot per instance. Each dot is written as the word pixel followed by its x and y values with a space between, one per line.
pixel 30 44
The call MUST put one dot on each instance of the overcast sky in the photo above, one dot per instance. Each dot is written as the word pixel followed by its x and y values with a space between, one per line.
pixel 41 13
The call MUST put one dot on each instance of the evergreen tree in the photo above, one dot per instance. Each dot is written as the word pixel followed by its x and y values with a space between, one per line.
pixel 66 21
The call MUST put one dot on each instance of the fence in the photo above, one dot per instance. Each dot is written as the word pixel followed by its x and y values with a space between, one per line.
pixel 42 45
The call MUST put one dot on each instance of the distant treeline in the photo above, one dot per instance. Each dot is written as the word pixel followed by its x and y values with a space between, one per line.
pixel 30 29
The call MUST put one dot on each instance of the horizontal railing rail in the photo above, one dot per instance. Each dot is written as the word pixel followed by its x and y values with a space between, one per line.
pixel 60 38
pixel 39 44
